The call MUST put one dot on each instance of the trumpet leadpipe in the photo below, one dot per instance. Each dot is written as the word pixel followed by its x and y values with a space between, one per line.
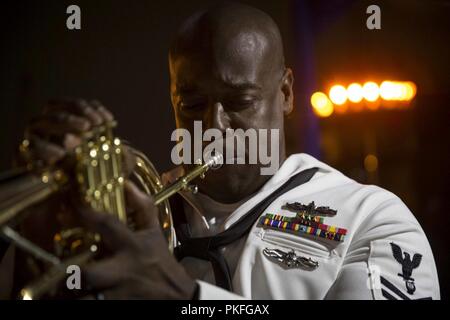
pixel 182 183
pixel 25 190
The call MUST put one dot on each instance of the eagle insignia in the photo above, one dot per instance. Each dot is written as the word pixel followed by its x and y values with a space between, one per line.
pixel 408 265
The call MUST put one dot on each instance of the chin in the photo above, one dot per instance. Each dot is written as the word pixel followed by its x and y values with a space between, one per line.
pixel 232 183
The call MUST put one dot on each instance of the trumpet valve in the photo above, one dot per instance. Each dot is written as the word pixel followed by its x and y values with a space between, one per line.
pixel 193 188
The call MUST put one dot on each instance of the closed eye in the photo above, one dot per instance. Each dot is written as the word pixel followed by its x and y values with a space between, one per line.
pixel 192 105
pixel 241 102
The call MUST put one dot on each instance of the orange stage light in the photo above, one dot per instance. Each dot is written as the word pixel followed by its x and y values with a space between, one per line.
pixel 392 92
pixel 338 94
pixel 371 163
pixel 411 90
pixel 371 91
pixel 355 92
pixel 322 106
pixel 396 90
pixel 388 90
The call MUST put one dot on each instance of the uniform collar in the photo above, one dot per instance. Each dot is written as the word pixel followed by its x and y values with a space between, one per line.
pixel 291 166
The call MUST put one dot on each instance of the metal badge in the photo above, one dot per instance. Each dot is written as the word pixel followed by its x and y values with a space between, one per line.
pixel 310 209
pixel 290 259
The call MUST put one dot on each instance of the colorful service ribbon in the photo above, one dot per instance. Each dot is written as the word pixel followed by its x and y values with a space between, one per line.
pixel 299 225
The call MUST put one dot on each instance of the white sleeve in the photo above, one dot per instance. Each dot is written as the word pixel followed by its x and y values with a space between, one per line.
pixel 208 291
pixel 389 257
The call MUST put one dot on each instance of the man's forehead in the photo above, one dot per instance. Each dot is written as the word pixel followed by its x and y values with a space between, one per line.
pixel 239 48
pixel 239 62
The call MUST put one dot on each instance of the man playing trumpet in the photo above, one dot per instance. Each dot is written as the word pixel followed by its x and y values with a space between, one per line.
pixel 235 238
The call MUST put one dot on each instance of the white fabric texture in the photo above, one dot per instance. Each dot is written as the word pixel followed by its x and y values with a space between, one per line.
pixel 351 269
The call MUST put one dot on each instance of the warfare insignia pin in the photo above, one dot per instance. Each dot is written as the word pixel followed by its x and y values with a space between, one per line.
pixel 310 209
pixel 408 265
pixel 290 259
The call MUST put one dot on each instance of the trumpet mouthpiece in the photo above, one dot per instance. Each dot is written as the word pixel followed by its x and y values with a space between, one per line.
pixel 214 161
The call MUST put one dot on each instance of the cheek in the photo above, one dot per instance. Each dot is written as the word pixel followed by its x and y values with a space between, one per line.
pixel 267 114
pixel 184 122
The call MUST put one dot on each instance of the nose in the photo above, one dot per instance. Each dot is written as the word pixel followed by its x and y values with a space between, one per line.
pixel 218 117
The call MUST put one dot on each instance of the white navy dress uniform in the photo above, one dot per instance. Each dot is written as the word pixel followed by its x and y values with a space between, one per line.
pixel 385 253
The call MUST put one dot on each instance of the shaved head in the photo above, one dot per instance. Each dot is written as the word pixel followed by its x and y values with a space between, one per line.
pixel 229 30
pixel 227 71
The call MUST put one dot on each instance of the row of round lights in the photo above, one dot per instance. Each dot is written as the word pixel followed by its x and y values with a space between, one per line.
pixel 355 93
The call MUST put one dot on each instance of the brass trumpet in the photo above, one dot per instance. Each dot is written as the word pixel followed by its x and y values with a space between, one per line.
pixel 99 176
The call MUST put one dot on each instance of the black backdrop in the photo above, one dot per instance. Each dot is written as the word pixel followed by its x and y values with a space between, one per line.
pixel 120 57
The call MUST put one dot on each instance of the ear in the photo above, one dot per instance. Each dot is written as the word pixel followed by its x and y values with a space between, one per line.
pixel 286 88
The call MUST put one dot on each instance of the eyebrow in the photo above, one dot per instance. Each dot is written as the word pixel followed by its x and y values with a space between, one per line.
pixel 243 85
pixel 188 89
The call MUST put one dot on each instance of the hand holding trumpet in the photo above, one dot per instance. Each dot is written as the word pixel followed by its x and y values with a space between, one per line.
pixel 133 264
pixel 139 265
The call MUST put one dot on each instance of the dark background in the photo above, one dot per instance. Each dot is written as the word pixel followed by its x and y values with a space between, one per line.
pixel 120 57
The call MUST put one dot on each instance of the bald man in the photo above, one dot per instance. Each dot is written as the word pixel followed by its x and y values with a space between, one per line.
pixel 305 232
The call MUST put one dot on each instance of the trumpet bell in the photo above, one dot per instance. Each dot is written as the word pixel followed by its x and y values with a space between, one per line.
pixel 99 177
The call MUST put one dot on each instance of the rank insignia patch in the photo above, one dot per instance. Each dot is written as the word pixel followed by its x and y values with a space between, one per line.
pixel 396 271
pixel 408 265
